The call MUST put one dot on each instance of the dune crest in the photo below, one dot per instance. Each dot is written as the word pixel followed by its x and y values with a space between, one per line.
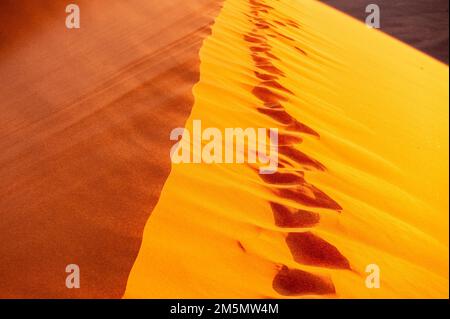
pixel 85 118
pixel 363 121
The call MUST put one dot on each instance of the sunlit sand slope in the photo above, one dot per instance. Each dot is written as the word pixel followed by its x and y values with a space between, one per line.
pixel 363 175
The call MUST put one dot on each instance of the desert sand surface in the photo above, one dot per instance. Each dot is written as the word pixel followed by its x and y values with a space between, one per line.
pixel 86 176
pixel 84 125
pixel 363 122
pixel 422 24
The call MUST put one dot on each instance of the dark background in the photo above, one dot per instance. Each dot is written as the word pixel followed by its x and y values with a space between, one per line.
pixel 422 24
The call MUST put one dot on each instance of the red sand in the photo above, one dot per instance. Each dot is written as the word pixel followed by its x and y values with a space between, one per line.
pixel 86 115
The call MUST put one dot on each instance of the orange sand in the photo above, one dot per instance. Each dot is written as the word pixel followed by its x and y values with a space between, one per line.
pixel 365 125
pixel 84 126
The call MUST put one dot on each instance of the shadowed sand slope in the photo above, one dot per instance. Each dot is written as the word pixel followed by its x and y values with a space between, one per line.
pixel 84 125
pixel 363 175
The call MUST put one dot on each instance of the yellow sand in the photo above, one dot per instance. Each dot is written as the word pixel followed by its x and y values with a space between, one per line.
pixel 381 109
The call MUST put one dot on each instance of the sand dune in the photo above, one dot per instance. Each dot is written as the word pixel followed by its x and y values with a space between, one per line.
pixel 364 124
pixel 85 116
pixel 84 133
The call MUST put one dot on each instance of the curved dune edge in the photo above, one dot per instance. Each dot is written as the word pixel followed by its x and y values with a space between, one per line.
pixel 368 115
pixel 84 119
